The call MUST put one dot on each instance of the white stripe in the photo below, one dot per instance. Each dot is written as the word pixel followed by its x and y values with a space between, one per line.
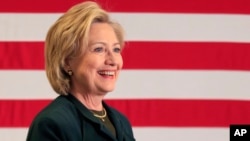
pixel 144 134
pixel 140 26
pixel 139 84
pixel 13 134
pixel 181 134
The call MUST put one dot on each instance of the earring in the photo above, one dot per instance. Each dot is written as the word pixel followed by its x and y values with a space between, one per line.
pixel 70 72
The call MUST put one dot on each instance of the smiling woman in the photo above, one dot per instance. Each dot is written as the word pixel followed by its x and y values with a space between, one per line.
pixel 96 70
pixel 83 61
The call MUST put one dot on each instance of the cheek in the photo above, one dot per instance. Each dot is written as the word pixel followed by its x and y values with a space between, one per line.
pixel 91 66
pixel 86 68
pixel 91 62
pixel 120 61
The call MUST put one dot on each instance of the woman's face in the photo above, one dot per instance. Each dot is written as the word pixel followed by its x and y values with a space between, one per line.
pixel 97 70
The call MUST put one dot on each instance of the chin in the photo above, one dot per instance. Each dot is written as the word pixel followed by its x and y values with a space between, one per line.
pixel 106 88
pixel 109 89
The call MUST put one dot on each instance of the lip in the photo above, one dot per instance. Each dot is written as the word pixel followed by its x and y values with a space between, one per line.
pixel 113 70
pixel 107 73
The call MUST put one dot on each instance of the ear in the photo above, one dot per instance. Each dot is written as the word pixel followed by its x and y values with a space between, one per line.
pixel 66 65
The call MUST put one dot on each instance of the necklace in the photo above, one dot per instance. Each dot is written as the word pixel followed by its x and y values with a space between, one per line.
pixel 101 116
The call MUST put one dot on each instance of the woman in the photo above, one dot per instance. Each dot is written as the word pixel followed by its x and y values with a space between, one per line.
pixel 83 61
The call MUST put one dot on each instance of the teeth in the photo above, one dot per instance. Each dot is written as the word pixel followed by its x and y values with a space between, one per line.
pixel 107 72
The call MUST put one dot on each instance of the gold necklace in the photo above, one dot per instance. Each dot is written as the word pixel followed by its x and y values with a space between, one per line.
pixel 101 116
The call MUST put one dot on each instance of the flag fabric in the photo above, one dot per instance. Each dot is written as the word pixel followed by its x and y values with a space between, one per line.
pixel 186 73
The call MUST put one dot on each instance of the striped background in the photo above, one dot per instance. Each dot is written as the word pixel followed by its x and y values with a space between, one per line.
pixel 186 69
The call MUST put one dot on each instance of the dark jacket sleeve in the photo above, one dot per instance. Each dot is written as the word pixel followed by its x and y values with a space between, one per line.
pixel 44 129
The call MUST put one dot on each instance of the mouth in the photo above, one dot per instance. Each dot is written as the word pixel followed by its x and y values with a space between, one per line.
pixel 106 73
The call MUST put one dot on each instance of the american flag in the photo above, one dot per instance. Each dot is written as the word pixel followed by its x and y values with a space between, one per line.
pixel 186 74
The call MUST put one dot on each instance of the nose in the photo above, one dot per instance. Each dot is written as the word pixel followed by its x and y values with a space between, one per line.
pixel 110 59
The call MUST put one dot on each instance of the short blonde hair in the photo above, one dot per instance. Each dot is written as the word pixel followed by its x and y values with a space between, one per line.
pixel 68 37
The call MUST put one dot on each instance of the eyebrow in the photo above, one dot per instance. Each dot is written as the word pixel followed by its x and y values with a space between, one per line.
pixel 92 43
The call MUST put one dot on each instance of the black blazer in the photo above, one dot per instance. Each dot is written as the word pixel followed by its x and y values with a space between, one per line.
pixel 67 119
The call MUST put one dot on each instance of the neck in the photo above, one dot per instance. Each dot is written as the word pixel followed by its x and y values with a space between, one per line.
pixel 91 101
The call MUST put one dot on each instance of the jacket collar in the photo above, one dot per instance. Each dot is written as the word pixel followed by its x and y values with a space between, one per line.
pixel 84 111
pixel 116 122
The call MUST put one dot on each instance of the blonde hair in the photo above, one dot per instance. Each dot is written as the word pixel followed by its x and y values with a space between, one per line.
pixel 68 37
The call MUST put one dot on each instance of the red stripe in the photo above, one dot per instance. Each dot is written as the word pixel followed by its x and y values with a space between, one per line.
pixel 173 6
pixel 181 113
pixel 144 55
pixel 21 55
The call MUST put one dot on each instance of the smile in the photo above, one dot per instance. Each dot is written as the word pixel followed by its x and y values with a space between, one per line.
pixel 109 73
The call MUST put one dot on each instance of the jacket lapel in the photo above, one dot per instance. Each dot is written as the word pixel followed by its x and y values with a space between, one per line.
pixel 87 114
pixel 116 122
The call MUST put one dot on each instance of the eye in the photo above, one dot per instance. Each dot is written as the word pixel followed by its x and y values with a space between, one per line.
pixel 98 49
pixel 117 49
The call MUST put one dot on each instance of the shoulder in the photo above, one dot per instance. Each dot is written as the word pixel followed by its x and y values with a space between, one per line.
pixel 60 113
pixel 60 108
